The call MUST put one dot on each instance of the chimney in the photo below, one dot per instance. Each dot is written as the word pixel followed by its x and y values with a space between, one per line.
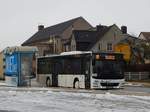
pixel 40 27
pixel 99 27
pixel 124 29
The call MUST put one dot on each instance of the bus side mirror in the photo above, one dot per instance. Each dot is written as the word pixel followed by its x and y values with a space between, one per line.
pixel 93 60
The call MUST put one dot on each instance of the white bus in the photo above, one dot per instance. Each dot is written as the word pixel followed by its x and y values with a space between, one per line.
pixel 81 70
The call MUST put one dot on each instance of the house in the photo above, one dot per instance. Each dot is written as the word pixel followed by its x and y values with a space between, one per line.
pixel 145 36
pixel 131 47
pixel 108 39
pixel 101 38
pixel 134 54
pixel 54 39
pixel 82 40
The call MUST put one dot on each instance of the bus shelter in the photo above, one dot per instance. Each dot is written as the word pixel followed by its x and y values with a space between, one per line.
pixel 18 65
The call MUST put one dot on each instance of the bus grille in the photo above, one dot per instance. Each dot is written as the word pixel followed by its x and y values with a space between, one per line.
pixel 109 84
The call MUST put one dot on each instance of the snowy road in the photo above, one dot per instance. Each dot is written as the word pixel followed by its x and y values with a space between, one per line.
pixel 48 101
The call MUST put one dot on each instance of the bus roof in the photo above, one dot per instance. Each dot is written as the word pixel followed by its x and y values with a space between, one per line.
pixel 78 53
pixel 75 52
pixel 67 54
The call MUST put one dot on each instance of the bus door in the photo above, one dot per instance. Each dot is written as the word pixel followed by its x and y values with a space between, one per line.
pixel 55 75
pixel 87 73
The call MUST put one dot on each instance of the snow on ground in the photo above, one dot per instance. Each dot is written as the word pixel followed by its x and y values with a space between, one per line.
pixel 131 84
pixel 2 83
pixel 45 100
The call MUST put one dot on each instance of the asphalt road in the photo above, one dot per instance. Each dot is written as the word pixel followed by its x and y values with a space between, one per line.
pixel 137 89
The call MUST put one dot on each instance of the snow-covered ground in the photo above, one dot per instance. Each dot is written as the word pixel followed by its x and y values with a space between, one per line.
pixel 46 100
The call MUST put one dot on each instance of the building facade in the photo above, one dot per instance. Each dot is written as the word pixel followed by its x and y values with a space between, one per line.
pixel 145 36
pixel 101 38
pixel 1 65
pixel 54 39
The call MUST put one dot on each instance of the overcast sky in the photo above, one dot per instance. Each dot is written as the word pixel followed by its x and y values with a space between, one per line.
pixel 19 18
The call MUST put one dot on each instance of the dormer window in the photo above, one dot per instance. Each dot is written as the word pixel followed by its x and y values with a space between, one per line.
pixel 100 46
pixel 109 47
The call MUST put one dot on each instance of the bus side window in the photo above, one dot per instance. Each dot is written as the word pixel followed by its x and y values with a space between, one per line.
pixel 65 66
pixel 60 67
pixel 93 62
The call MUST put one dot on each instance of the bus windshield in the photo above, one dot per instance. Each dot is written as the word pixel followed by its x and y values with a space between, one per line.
pixel 108 68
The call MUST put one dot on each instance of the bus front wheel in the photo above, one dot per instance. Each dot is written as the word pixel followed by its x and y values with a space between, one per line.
pixel 48 82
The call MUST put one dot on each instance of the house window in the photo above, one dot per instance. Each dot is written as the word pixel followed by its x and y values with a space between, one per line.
pixel 67 48
pixel 109 47
pixel 115 34
pixel 72 47
pixel 57 41
pixel 100 46
pixel 55 48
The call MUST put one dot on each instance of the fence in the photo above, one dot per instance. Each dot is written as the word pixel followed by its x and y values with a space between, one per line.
pixel 137 72
pixel 137 75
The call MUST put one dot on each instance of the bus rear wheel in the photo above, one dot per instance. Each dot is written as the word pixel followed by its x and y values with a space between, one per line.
pixel 76 83
pixel 48 82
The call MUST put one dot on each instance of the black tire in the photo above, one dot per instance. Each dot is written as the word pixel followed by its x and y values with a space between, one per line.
pixel 48 82
pixel 76 83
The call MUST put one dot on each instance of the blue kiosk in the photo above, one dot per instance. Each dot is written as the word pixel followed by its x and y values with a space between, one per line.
pixel 18 65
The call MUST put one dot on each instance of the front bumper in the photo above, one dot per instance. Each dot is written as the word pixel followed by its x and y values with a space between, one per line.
pixel 106 83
